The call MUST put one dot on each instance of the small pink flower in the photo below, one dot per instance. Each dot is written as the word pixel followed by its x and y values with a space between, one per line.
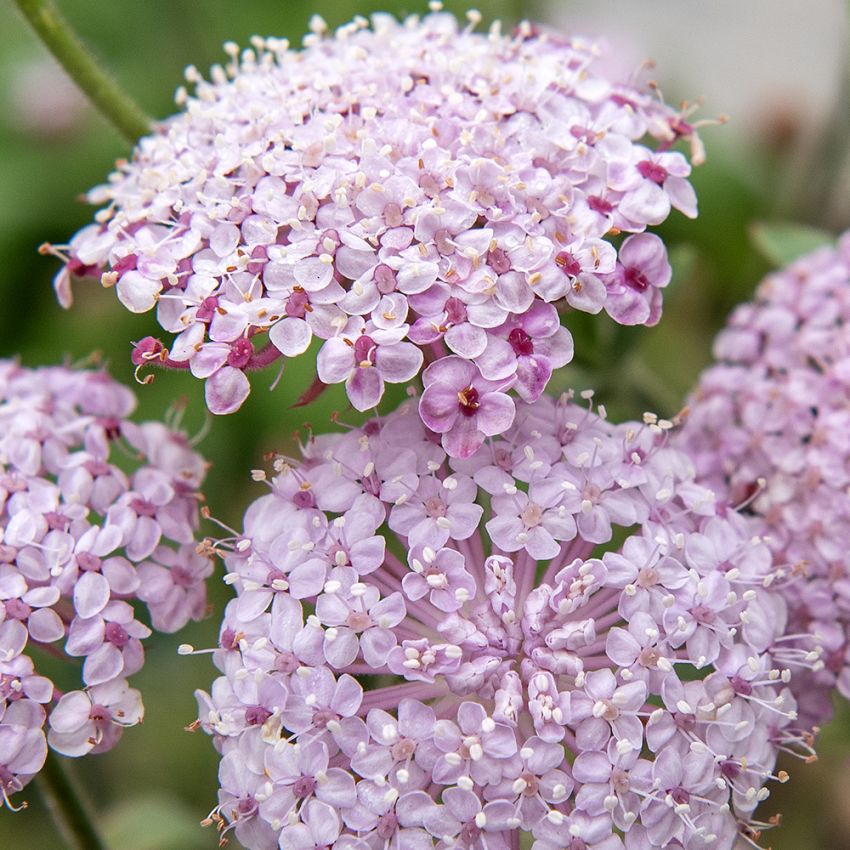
pixel 463 406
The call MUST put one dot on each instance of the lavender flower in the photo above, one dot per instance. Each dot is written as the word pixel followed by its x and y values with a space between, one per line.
pixel 79 539
pixel 768 430
pixel 464 687
pixel 397 192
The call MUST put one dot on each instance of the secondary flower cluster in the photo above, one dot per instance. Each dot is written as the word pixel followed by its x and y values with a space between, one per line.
pixel 79 540
pixel 562 634
pixel 769 426
pixel 399 192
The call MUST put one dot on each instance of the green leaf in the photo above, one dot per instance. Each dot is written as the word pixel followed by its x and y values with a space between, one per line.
pixel 783 242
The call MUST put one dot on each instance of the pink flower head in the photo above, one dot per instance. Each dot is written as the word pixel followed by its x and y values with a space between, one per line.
pixel 768 430
pixel 475 685
pixel 403 209
pixel 78 541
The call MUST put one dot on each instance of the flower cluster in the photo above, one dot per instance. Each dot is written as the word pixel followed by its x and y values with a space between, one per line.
pixel 399 192
pixel 79 540
pixel 769 428
pixel 562 634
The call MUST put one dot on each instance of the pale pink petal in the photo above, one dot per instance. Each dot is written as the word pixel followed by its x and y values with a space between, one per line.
pixel 226 390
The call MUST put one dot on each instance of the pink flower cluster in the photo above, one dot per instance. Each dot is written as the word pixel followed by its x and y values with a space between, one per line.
pixel 769 428
pixel 80 539
pixel 562 634
pixel 398 192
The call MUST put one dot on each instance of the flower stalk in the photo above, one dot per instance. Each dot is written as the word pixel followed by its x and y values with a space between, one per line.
pixel 70 814
pixel 107 96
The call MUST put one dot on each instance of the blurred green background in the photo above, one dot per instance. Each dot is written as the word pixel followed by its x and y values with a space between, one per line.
pixel 780 165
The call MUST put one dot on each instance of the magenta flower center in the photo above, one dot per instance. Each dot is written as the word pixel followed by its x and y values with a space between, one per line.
pixel 680 796
pixel 116 634
pixel 455 311
pixel 521 342
pixel 498 260
pixel 599 204
pixel 468 401
pixel 435 507
pixel 384 279
pixel 207 308
pixel 100 714
pixel 89 562
pixel 652 171
pixel 256 715
pixel 143 507
pixel 304 786
pixel 364 351
pixel 304 499
pixel 298 304
pixel 635 278
pixel 568 263
pixel 16 609
pixel 241 352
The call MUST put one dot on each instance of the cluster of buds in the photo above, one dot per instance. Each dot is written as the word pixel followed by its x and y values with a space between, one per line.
pixel 563 634
pixel 80 539
pixel 769 428
pixel 400 192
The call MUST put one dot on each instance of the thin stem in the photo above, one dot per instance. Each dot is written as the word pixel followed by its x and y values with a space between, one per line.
pixel 61 40
pixel 69 813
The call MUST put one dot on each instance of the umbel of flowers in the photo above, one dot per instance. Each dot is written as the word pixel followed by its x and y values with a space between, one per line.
pixel 563 634
pixel 398 192
pixel 80 539
pixel 769 427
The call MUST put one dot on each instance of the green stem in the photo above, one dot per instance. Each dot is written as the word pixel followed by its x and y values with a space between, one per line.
pixel 60 38
pixel 69 813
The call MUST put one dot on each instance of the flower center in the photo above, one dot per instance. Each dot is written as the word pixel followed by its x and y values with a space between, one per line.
pixel 256 715
pixel 435 507
pixel 635 278
pixel 568 263
pixel 652 171
pixel 532 783
pixel 241 351
pixel 364 351
pixel 303 786
pixel 649 657
pixel 498 260
pixel 403 749
pixel 620 780
pixel 468 401
pixel 647 577
pixel 143 507
pixel 117 635
pixel 455 311
pixel 89 562
pixel 358 621
pixel 297 304
pixel 520 342
pixel 532 515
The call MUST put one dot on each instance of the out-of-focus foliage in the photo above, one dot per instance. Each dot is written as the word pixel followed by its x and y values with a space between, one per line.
pixel 160 781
